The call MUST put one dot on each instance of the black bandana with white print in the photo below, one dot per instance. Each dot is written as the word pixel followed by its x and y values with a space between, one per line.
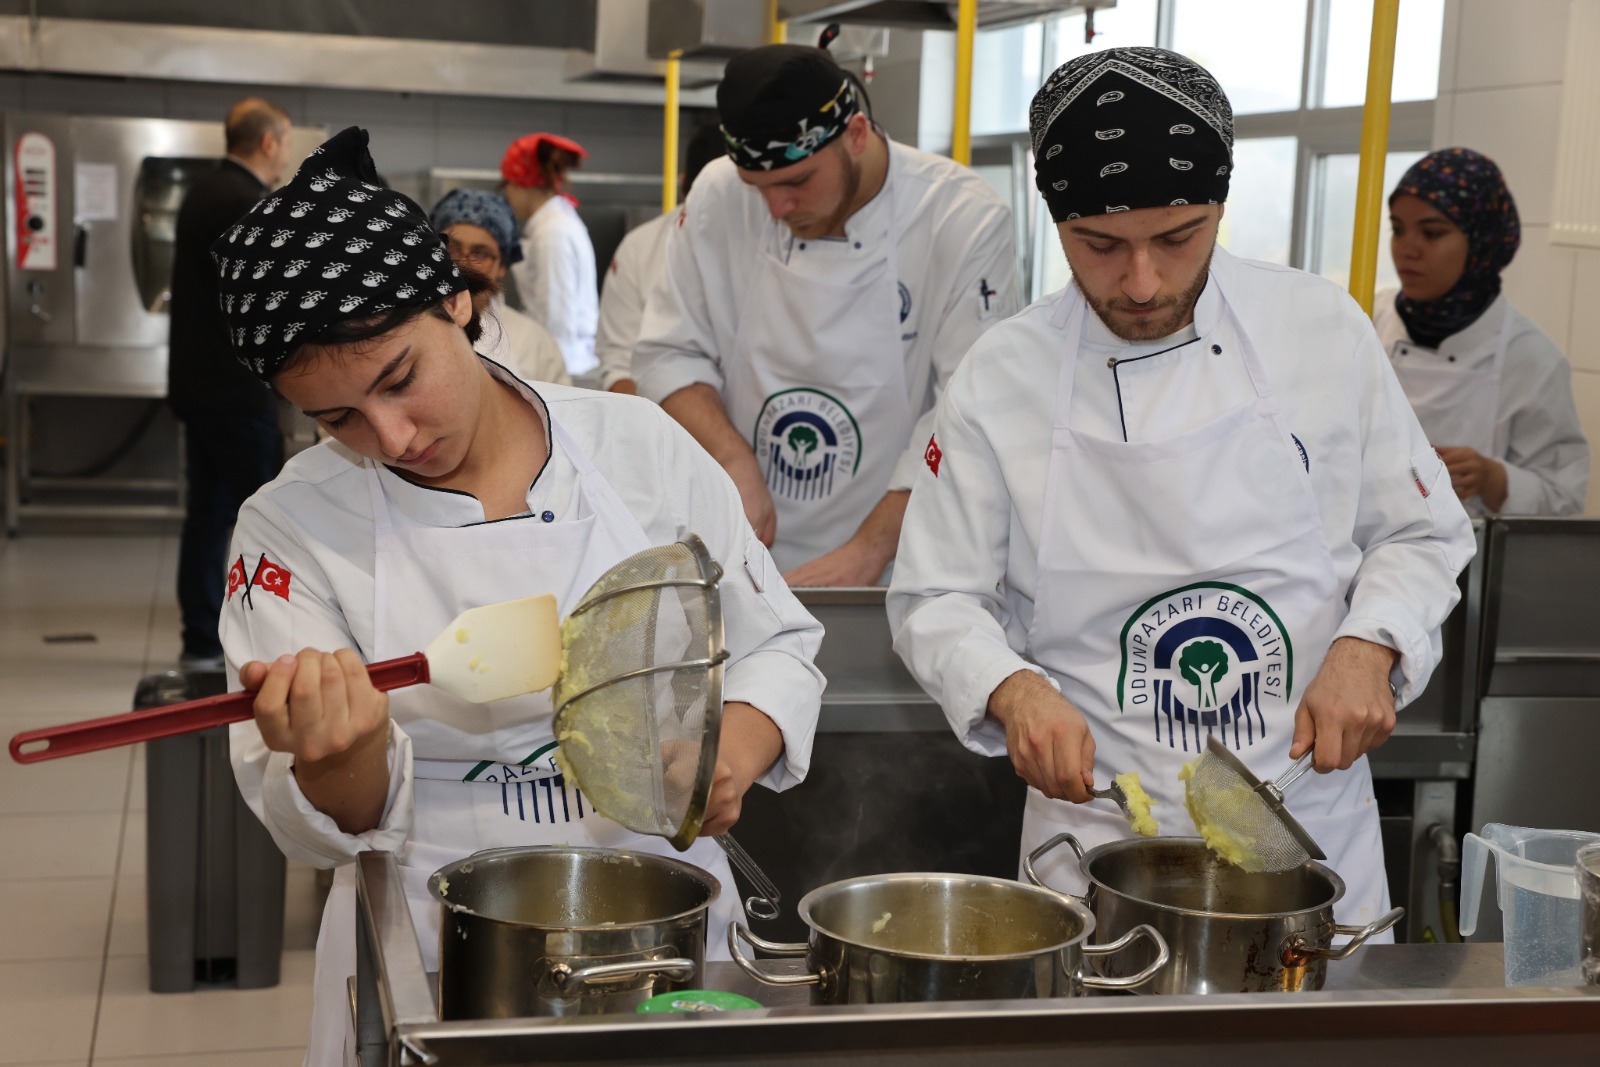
pixel 1129 128
pixel 333 244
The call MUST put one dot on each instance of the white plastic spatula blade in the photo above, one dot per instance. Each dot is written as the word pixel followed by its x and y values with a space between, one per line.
pixel 498 650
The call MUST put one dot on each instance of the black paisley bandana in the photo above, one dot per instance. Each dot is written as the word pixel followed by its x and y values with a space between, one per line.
pixel 331 245
pixel 781 103
pixel 1130 128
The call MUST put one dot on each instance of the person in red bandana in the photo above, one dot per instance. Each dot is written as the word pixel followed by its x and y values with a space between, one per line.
pixel 556 278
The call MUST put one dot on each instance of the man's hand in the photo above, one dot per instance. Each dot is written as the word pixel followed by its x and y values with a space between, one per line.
pixel 852 563
pixel 1348 709
pixel 754 494
pixel 699 409
pixel 862 559
pixel 1472 474
pixel 1048 739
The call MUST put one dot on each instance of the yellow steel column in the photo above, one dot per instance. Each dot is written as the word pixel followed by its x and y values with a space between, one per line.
pixel 777 29
pixel 1374 148
pixel 966 31
pixel 669 135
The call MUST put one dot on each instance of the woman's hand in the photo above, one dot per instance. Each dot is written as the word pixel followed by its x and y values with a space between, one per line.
pixel 1473 474
pixel 321 708
pixel 749 745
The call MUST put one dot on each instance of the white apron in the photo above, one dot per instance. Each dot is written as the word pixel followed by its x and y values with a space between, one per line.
pixel 818 380
pixel 1456 406
pixel 513 795
pixel 1195 597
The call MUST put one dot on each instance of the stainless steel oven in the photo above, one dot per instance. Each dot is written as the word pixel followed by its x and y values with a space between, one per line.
pixel 90 215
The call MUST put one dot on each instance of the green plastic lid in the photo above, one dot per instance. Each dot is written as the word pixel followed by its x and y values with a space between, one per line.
pixel 697 1000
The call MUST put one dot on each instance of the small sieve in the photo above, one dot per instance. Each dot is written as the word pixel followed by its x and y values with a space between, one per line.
pixel 638 705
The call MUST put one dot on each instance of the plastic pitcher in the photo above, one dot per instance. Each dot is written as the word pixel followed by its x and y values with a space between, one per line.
pixel 1538 899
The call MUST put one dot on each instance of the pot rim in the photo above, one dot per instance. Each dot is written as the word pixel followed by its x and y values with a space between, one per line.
pixel 709 880
pixel 1127 844
pixel 1078 909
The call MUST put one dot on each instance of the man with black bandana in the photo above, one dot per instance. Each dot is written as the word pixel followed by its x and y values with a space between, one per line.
pixel 1182 499
pixel 819 291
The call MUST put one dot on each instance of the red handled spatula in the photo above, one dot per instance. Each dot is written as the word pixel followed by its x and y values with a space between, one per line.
pixel 488 653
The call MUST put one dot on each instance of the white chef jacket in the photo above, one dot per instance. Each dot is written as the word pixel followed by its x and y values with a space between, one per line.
pixel 957 269
pixel 513 340
pixel 639 258
pixel 314 521
pixel 1537 434
pixel 556 280
pixel 961 600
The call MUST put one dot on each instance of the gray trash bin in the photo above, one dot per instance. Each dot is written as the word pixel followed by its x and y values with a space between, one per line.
pixel 214 877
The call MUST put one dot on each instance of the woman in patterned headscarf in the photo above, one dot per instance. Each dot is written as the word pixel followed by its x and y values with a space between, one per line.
pixel 448 483
pixel 1491 389
pixel 481 233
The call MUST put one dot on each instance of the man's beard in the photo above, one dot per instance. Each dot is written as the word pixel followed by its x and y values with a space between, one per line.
pixel 834 223
pixel 1162 324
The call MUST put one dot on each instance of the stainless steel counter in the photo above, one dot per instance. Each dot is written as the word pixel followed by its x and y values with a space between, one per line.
pixel 1420 1005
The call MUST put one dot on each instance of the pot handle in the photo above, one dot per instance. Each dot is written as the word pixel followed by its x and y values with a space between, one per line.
pixel 737 932
pixel 1300 950
pixel 569 981
pixel 1038 854
pixel 1144 930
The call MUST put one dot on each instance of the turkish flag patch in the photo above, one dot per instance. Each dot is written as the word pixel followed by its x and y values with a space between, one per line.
pixel 273 577
pixel 932 455
pixel 236 577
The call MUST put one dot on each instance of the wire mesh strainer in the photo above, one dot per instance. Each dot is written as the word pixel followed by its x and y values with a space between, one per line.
pixel 1243 818
pixel 638 705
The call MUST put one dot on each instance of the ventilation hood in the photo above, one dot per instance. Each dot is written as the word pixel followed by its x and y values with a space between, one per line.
pixel 929 14
pixel 706 29
pixel 621 30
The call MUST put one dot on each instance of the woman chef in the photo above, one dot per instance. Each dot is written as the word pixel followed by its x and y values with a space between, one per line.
pixel 448 484
pixel 1222 520
pixel 556 278
pixel 1492 391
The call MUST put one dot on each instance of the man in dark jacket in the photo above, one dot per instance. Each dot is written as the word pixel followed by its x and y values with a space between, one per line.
pixel 232 441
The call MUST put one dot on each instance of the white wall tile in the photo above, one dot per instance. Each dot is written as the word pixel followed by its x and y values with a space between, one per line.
pixel 1449 46
pixel 1539 283
pixel 1444 114
pixel 1503 43
pixel 1583 345
pixel 1518 129
pixel 1586 392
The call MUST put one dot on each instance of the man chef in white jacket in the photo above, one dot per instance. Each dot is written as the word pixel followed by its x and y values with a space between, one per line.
pixel 819 291
pixel 1181 450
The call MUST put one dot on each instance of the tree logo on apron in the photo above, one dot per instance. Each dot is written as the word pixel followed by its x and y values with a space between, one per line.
pixel 1204 659
pixel 805 439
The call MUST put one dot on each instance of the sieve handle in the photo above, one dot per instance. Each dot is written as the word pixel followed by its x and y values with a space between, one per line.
pixel 763 904
pixel 1292 775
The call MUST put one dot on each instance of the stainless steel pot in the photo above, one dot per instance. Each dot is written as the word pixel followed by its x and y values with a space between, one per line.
pixel 1230 931
pixel 554 930
pixel 900 938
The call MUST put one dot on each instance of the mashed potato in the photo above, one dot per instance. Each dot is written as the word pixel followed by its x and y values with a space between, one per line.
pixel 1139 805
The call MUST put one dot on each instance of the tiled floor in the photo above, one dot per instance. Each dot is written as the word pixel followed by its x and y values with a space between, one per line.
pixel 73 971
